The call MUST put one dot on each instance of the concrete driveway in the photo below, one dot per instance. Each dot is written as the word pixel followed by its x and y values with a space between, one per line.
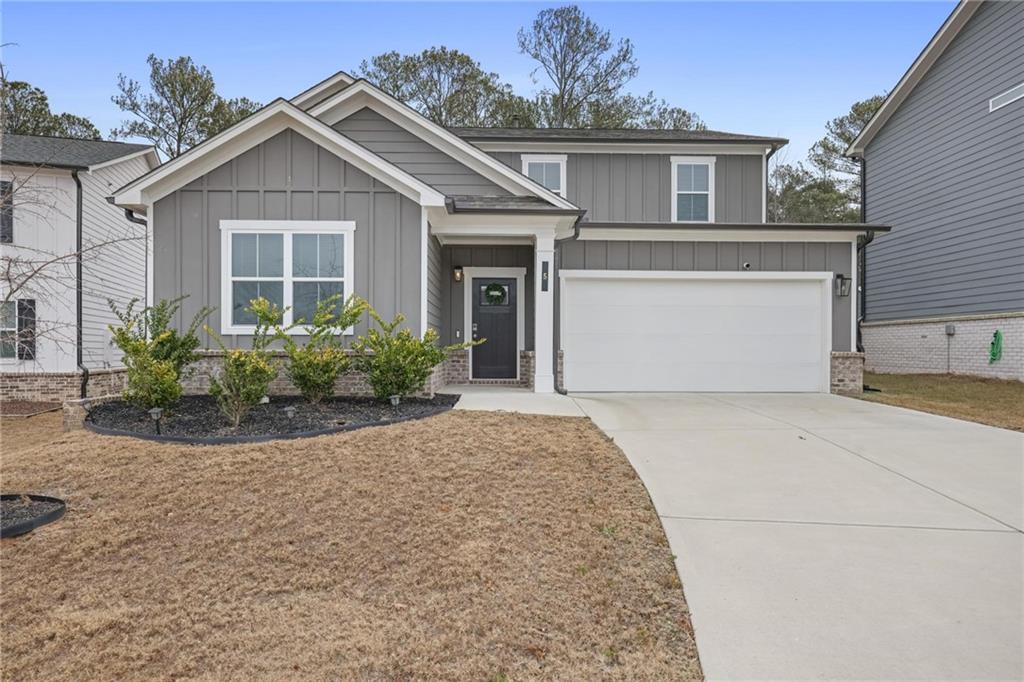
pixel 821 537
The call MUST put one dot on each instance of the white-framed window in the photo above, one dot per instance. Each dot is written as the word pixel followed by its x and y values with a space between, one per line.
pixel 693 189
pixel 292 263
pixel 6 212
pixel 546 169
pixel 8 330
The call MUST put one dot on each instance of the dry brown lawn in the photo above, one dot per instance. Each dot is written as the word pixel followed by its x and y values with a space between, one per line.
pixel 996 402
pixel 25 433
pixel 467 546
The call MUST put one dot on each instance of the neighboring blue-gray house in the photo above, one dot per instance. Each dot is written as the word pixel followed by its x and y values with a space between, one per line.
pixel 944 166
pixel 590 260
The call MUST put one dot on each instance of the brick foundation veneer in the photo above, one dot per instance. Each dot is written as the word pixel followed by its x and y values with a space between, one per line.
pixel 455 370
pixel 847 372
pixel 922 346
pixel 57 387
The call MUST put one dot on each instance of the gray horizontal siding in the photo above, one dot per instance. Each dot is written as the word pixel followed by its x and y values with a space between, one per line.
pixel 413 155
pixel 948 175
pixel 637 187
pixel 287 177
pixel 452 292
pixel 832 257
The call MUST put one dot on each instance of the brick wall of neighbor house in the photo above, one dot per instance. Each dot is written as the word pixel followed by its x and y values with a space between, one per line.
pixel 847 372
pixel 922 346
pixel 60 386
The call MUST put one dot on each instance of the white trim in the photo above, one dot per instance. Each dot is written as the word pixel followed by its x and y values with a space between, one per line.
pixel 150 257
pixel 669 234
pixel 264 124
pixel 695 148
pixel 764 187
pixel 363 94
pixel 1012 95
pixel 424 276
pixel 484 241
pixel 931 53
pixel 290 228
pixel 708 161
pixel 560 159
pixel 854 296
pixel 519 274
pixel 825 278
pixel 149 152
pixel 310 94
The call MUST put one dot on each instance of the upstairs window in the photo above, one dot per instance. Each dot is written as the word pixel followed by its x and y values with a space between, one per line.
pixel 6 212
pixel 546 169
pixel 693 189
pixel 294 264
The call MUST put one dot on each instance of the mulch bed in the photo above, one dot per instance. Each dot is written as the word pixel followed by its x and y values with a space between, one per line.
pixel 200 417
pixel 25 408
pixel 19 510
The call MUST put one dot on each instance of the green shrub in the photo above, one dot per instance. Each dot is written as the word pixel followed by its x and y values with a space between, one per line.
pixel 156 323
pixel 315 367
pixel 247 374
pixel 151 382
pixel 396 362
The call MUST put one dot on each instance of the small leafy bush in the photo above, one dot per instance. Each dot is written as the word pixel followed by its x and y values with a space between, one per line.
pixel 396 362
pixel 315 367
pixel 247 374
pixel 156 323
pixel 151 382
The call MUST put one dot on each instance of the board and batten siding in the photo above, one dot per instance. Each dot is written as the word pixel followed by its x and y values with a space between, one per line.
pixel 116 271
pixel 948 176
pixel 638 187
pixel 287 177
pixel 415 156
pixel 435 279
pixel 452 292
pixel 835 257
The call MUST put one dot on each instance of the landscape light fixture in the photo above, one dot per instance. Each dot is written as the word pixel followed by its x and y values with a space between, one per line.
pixel 155 415
pixel 289 412
pixel 843 285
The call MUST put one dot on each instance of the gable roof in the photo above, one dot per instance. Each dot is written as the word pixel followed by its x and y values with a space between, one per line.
pixel 65 152
pixel 612 135
pixel 949 30
pixel 363 94
pixel 275 117
pixel 322 90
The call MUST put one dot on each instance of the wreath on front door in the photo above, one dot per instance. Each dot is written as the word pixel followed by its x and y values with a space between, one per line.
pixel 495 294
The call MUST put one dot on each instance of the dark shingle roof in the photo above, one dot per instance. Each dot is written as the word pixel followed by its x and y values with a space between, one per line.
pixel 62 152
pixel 518 204
pixel 610 135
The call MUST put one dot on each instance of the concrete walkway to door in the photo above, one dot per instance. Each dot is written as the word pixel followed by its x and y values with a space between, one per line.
pixel 821 537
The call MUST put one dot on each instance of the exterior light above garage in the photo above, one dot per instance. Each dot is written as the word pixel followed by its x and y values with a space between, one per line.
pixel 843 284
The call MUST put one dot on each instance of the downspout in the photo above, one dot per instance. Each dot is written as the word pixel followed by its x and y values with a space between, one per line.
pixel 129 214
pixel 84 390
pixel 862 256
pixel 558 318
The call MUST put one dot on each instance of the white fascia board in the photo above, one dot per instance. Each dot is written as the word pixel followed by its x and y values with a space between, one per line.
pixel 150 153
pixel 929 55
pixel 311 94
pixel 363 94
pixel 697 148
pixel 713 235
pixel 270 121
pixel 497 224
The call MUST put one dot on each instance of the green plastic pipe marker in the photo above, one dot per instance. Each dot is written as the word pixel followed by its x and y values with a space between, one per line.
pixel 995 349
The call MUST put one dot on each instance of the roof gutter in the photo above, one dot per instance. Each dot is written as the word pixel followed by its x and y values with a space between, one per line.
pixel 84 388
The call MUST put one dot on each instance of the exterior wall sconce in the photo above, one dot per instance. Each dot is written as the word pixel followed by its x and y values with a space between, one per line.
pixel 843 285
pixel 457 273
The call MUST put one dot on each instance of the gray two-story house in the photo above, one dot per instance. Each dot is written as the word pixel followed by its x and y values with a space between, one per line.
pixel 943 164
pixel 589 260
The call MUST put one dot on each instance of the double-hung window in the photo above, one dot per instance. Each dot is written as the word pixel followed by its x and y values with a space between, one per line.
pixel 546 169
pixel 6 212
pixel 693 189
pixel 8 330
pixel 291 263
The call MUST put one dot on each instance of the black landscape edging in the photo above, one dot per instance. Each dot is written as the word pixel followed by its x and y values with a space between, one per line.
pixel 30 525
pixel 230 440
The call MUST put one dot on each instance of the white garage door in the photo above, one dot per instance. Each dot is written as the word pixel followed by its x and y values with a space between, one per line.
pixel 672 331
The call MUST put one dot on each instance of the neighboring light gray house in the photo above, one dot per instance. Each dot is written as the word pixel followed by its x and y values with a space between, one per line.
pixel 943 160
pixel 590 260
pixel 53 325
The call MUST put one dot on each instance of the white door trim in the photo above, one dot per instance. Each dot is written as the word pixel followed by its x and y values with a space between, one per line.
pixel 825 278
pixel 519 274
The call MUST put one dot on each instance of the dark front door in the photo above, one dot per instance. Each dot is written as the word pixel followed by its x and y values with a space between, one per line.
pixel 494 319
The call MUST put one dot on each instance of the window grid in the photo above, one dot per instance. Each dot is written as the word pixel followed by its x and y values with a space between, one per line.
pixel 693 189
pixel 8 330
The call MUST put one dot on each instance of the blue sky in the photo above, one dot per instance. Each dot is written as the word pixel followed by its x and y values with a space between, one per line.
pixel 765 68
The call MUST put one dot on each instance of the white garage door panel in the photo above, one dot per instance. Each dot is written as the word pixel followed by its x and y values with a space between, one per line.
pixel 685 333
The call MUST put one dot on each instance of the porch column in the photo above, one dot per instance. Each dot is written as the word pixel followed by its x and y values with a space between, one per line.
pixel 544 313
